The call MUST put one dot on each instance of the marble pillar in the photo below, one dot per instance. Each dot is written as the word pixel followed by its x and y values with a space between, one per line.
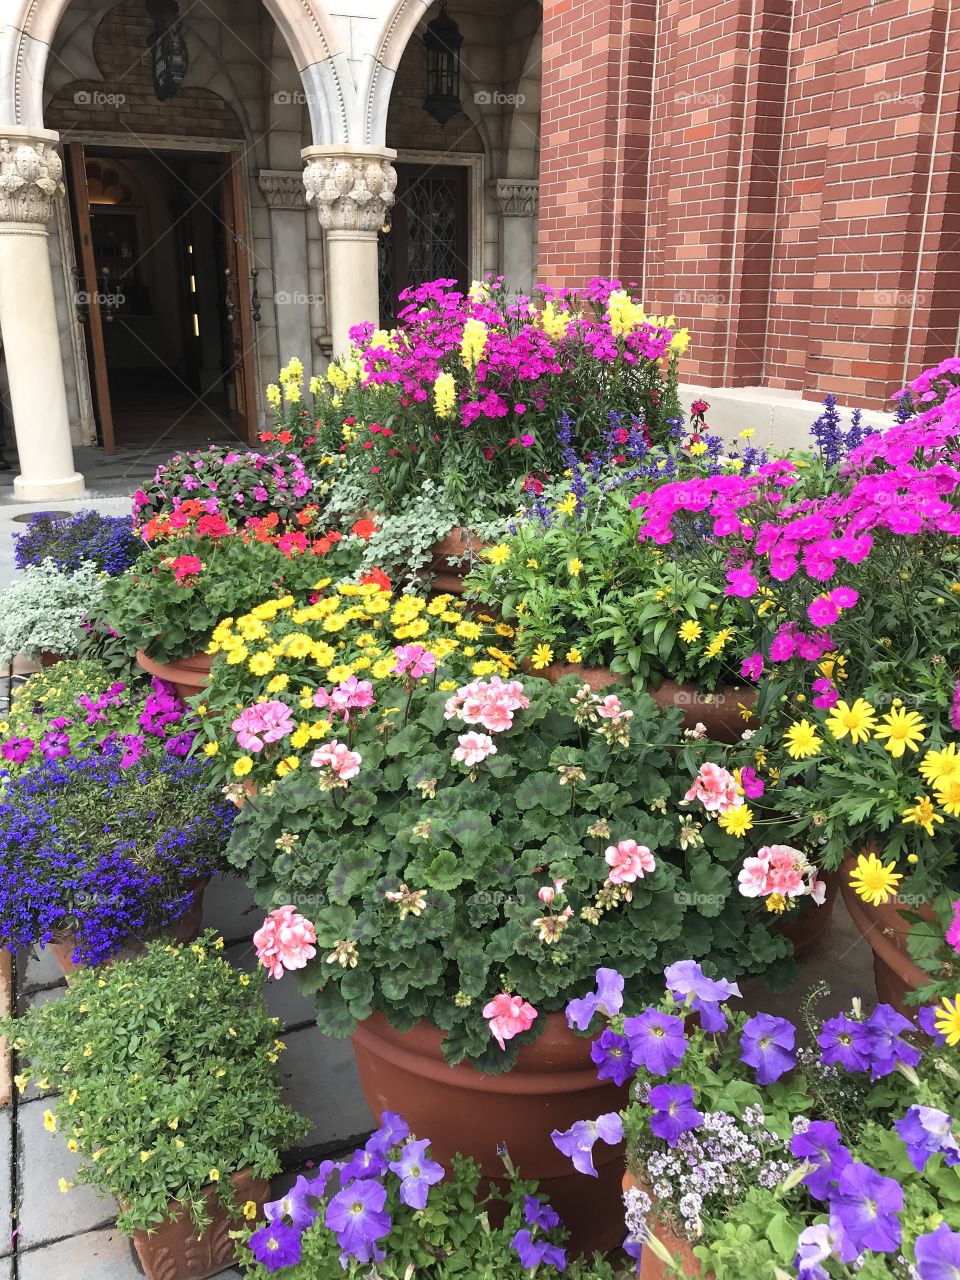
pixel 31 174
pixel 352 190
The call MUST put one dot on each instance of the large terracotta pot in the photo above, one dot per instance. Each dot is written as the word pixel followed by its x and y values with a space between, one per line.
pixel 553 1084
pixel 651 1267
pixel 48 659
pixel 719 711
pixel 180 931
pixel 886 931
pixel 808 930
pixel 173 1251
pixel 455 545
pixel 187 675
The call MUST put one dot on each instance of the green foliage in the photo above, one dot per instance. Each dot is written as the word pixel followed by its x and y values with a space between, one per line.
pixel 167 1067
pixel 464 852
pixel 44 610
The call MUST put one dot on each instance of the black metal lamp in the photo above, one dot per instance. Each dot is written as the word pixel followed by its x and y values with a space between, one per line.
pixel 168 47
pixel 443 43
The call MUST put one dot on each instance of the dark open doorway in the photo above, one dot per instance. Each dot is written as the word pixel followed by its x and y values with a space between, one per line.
pixel 168 338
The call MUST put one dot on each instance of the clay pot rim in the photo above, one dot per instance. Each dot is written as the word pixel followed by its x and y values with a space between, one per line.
pixel 199 662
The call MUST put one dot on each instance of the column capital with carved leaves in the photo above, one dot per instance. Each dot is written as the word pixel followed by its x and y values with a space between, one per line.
pixel 351 188
pixel 31 175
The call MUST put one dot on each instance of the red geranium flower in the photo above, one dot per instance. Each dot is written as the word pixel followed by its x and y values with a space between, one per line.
pixel 364 529
pixel 378 577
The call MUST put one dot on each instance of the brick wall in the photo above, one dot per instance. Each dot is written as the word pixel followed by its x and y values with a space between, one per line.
pixel 121 50
pixel 784 175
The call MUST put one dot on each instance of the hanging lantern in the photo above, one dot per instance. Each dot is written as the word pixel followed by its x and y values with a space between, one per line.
pixel 443 43
pixel 167 46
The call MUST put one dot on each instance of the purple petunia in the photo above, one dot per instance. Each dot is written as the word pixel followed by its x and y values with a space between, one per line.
pixel 579 1140
pixel 926 1018
pixel 690 986
pixel 845 1041
pixel 417 1173
pixel 673 1112
pixel 814 1245
pixel 606 999
pixel 276 1245
pixel 821 1145
pixel 612 1055
pixel 863 1212
pixel 657 1041
pixel 17 750
pixel 532 1252
pixel 925 1131
pixel 295 1205
pixel 357 1217
pixel 55 746
pixel 538 1214
pixel 393 1129
pixel 938 1254
pixel 362 1164
pixel 885 1029
pixel 767 1044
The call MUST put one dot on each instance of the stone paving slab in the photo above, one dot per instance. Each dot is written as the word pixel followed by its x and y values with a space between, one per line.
pixel 283 998
pixel 7 1223
pixel 40 968
pixel 229 906
pixel 321 1081
pixel 6 1009
pixel 46 1214
pixel 96 1255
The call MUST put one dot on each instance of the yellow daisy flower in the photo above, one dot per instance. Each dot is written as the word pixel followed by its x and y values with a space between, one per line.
pixel 922 813
pixel 939 766
pixel 874 881
pixel 736 822
pixel 574 654
pixel 242 767
pixel 499 554
pixel 567 505
pixel 947 1020
pixel 802 741
pixel 541 657
pixel 858 720
pixel 575 566
pixel 902 730
pixel 690 631
pixel 947 791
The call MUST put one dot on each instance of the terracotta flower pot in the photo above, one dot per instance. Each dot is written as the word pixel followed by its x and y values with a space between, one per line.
pixel 651 1267
pixel 173 1251
pixel 808 930
pixel 183 930
pixel 886 931
pixel 48 659
pixel 719 712
pixel 553 1084
pixel 455 545
pixel 187 675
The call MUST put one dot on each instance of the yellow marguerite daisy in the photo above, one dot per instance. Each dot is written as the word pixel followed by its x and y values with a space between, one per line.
pixel 499 554
pixel 947 1020
pixel 736 822
pixel 568 505
pixel 802 741
pixel 858 720
pixel 574 654
pixel 901 730
pixel 922 813
pixel 261 664
pixel 690 631
pixel 937 767
pixel 575 566
pixel 242 766
pixel 541 657
pixel 874 881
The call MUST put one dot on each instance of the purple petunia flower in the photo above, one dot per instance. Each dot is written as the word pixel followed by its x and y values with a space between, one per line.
pixel 767 1044
pixel 532 1252
pixel 606 999
pixel 814 1245
pixel 938 1254
pixel 673 1112
pixel 17 750
pixel 294 1205
pixel 612 1055
pixel 362 1164
pixel 689 985
pixel 54 746
pixel 885 1030
pixel 845 1041
pixel 863 1212
pixel 579 1140
pixel 134 749
pixel 393 1129
pixel 926 1018
pixel 657 1041
pixel 925 1131
pixel 822 1145
pixel 417 1173
pixel 538 1214
pixel 276 1245
pixel 357 1216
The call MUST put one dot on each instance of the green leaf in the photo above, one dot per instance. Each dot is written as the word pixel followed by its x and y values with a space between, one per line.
pixel 444 871
pixel 333 1016
pixel 544 791
pixel 352 873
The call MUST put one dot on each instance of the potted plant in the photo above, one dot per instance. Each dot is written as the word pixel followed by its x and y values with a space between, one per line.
pixel 105 847
pixel 289 675
pixel 72 539
pixel 749 1154
pixel 173 1102
pixel 393 1205
pixel 395 408
pixel 202 569
pixel 453 872
pixel 43 611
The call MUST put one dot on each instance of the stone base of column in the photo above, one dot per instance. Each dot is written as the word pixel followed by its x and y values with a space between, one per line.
pixel 46 490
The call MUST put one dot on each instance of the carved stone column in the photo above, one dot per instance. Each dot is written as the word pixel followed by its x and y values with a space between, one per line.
pixel 31 179
pixel 518 199
pixel 352 190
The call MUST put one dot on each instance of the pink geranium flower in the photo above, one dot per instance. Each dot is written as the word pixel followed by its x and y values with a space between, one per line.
pixel 612 709
pixel 474 748
pixel 337 757
pixel 715 788
pixel 549 891
pixel 508 1016
pixel 413 660
pixel 285 940
pixel 628 861
pixel 491 704
pixel 262 723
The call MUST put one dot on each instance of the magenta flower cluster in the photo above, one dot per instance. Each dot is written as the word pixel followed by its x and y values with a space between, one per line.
pixel 227 482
